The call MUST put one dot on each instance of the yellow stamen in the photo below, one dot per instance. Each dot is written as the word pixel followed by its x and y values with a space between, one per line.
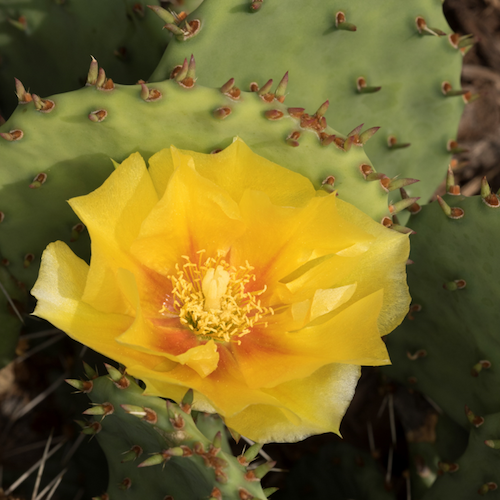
pixel 210 298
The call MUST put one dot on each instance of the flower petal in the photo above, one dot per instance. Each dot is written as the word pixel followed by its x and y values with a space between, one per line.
pixel 152 335
pixel 203 359
pixel 278 240
pixel 224 388
pixel 176 344
pixel 194 214
pixel 300 314
pixel 389 251
pixel 161 168
pixel 313 405
pixel 113 214
pixel 390 254
pixel 59 291
pixel 325 301
pixel 238 168
pixel 268 358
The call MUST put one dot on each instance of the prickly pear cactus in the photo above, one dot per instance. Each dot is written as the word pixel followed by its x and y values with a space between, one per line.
pixel 156 451
pixel 448 345
pixel 389 67
pixel 475 473
pixel 61 147
pixel 47 43
pixel 386 66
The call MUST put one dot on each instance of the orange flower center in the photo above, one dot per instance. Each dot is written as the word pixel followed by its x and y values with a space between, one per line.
pixel 212 300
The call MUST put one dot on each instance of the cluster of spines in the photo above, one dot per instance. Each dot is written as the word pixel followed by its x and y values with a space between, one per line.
pixel 181 438
pixel 185 76
pixel 317 121
pixel 488 197
pixel 176 23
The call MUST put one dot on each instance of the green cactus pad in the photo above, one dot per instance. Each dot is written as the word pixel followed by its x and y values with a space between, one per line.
pixel 432 449
pixel 186 6
pixel 476 472
pixel 44 41
pixel 448 347
pixel 155 450
pixel 325 62
pixel 63 153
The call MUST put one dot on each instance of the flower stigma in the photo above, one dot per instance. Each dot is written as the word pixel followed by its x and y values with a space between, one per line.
pixel 211 298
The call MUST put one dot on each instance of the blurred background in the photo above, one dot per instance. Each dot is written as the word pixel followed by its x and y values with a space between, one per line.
pixel 479 127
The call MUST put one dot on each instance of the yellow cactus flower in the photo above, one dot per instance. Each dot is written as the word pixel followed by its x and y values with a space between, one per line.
pixel 231 275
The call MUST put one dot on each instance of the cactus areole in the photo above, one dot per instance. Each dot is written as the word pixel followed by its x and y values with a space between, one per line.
pixel 231 275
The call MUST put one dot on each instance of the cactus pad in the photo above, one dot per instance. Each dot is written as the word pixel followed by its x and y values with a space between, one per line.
pixel 64 151
pixel 383 66
pixel 155 450
pixel 448 346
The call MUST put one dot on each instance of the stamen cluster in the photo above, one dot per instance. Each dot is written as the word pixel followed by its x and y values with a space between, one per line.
pixel 237 310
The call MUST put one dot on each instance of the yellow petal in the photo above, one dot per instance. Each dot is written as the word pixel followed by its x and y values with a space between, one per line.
pixel 113 214
pixel 61 279
pixel 203 359
pixel 390 254
pixel 176 345
pixel 268 242
pixel 278 240
pixel 161 168
pixel 59 290
pixel 325 301
pixel 382 266
pixel 238 168
pixel 194 214
pixel 326 272
pixel 155 338
pixel 313 405
pixel 268 358
pixel 300 314
pixel 223 388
